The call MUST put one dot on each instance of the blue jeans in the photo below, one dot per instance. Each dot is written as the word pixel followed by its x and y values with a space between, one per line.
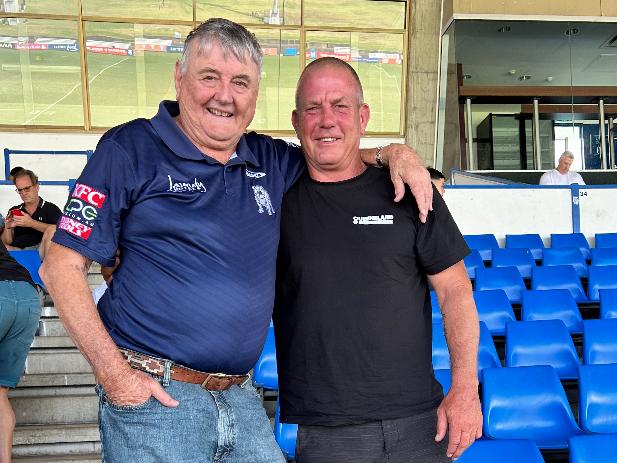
pixel 208 426
pixel 20 309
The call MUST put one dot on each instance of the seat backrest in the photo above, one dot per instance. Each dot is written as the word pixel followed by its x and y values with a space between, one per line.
pixel 558 277
pixel 531 241
pixel 494 309
pixel 542 342
pixel 507 278
pixel 441 355
pixel 598 398
pixel 285 435
pixel 444 377
pixel 569 240
pixel 435 310
pixel 483 243
pixel 604 256
pixel 264 372
pixel 600 341
pixel 606 240
pixel 30 259
pixel 472 262
pixel 552 304
pixel 502 451
pixel 487 353
pixel 594 448
pixel 602 277
pixel 527 403
pixel 566 256
pixel 514 257
pixel 608 303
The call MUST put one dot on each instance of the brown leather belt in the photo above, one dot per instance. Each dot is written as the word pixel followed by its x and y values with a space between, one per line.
pixel 156 366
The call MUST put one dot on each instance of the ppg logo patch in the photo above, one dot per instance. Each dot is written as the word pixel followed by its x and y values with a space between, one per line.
pixel 81 211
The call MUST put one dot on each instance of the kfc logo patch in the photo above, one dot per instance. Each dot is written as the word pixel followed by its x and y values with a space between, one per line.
pixel 89 194
pixel 75 228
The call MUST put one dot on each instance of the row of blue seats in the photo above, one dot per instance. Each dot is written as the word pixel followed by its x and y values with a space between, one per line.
pixel 557 277
pixel 543 342
pixel 523 260
pixel 486 243
pixel 495 309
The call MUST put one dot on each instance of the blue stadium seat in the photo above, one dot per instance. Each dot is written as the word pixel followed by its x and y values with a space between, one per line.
pixel 596 448
pixel 542 342
pixel 608 303
pixel 435 310
pixel 483 243
pixel 606 240
pixel 566 256
pixel 571 240
pixel 502 451
pixel 604 256
pixel 519 258
pixel 265 374
pixel 494 309
pixel 507 278
pixel 531 241
pixel 30 259
pixel 598 399
pixel 527 403
pixel 558 277
pixel 285 435
pixel 444 377
pixel 602 277
pixel 487 354
pixel 472 262
pixel 600 341
pixel 552 304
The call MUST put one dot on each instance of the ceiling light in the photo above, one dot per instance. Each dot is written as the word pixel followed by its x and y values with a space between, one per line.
pixel 549 78
pixel 571 31
pixel 512 72
pixel 467 76
pixel 524 77
pixel 504 29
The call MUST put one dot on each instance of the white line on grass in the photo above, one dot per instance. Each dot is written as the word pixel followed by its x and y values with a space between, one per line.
pixel 72 90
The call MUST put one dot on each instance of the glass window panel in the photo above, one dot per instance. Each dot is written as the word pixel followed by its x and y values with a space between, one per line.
pixel 357 13
pixel 180 10
pixel 40 79
pixel 279 75
pixel 279 12
pixel 378 60
pixel 64 7
pixel 130 69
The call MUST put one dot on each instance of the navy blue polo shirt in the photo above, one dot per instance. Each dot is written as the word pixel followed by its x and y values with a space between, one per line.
pixel 198 240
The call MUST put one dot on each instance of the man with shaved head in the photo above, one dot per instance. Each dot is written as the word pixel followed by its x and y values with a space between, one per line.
pixel 561 175
pixel 352 312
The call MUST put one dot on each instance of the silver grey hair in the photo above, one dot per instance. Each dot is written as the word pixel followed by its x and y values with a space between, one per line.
pixel 334 62
pixel 567 154
pixel 233 39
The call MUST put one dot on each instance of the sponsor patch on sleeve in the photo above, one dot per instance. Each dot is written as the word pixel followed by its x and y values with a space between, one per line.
pixel 89 194
pixel 74 227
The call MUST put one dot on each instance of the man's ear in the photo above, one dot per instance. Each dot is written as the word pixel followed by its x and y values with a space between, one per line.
pixel 294 120
pixel 178 78
pixel 365 116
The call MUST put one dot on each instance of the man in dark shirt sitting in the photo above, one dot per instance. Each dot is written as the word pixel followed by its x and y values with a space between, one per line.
pixel 31 224
pixel 352 312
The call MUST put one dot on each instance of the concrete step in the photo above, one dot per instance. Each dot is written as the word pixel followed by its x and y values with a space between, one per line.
pixel 54 405
pixel 74 449
pixel 84 458
pixel 49 311
pixel 58 379
pixel 95 279
pixel 50 342
pixel 54 434
pixel 61 360
pixel 51 327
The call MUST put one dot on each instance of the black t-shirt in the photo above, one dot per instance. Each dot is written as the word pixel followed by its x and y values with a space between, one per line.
pixel 352 311
pixel 47 212
pixel 10 269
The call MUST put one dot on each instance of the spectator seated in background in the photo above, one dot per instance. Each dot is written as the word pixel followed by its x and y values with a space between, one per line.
pixel 438 180
pixel 31 224
pixel 561 174
pixel 19 317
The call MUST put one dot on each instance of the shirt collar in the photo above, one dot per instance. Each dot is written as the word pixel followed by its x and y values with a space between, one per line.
pixel 176 140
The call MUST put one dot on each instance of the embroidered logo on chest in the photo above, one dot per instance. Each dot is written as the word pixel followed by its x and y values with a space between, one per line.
pixel 262 198
pixel 383 219
pixel 251 174
pixel 184 187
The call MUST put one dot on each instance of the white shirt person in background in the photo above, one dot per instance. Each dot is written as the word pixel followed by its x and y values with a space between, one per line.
pixel 561 175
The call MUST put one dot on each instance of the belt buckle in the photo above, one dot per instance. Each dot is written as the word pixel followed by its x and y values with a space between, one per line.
pixel 218 376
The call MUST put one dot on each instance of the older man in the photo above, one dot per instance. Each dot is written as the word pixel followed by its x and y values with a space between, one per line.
pixel 352 310
pixel 31 224
pixel 193 205
pixel 561 175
